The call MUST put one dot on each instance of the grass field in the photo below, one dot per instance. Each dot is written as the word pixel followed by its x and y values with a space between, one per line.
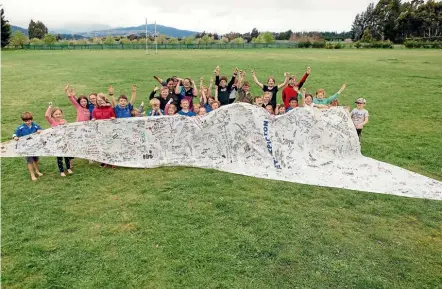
pixel 195 228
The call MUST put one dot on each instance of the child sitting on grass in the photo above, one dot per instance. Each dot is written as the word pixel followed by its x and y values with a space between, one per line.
pixel 280 109
pixel 26 128
pixel 258 101
pixel 202 111
pixel 185 108
pixel 293 103
pixel 155 108
pixel 170 108
pixel 55 118
pixel 266 99
pixel 138 112
pixel 359 115
pixel 215 105
pixel 269 108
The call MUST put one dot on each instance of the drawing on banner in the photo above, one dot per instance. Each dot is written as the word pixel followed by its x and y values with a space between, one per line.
pixel 305 145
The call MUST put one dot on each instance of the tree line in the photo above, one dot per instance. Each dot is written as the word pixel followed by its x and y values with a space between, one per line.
pixel 392 20
pixel 397 21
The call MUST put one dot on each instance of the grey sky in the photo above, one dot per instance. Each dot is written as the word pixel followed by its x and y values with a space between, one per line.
pixel 197 15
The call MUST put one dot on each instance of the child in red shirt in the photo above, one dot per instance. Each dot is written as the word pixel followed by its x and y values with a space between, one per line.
pixel 292 89
pixel 104 109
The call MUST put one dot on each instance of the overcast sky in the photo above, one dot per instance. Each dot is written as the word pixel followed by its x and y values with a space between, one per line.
pixel 196 15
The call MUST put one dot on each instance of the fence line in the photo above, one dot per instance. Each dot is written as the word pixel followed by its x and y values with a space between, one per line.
pixel 160 46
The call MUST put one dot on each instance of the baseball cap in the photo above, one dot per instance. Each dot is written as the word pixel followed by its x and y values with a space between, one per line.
pixel 361 100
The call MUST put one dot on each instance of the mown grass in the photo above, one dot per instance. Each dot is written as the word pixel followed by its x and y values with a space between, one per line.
pixel 194 228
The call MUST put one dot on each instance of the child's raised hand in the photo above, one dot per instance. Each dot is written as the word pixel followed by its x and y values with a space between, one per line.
pixel 156 88
pixel 170 101
pixel 111 90
pixel 142 103
pixel 253 72
pixel 309 69
pixel 235 71
pixel 342 88
pixel 211 80
pixel 50 103
pixel 72 92
pixel 66 88
pixel 303 90
pixel 202 79
pixel 134 88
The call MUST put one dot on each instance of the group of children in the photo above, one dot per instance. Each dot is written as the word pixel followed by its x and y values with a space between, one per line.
pixel 176 97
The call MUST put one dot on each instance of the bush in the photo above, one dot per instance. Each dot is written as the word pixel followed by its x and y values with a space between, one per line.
pixel 37 41
pixel 338 46
pixel 329 45
pixel 305 44
pixel 109 40
pixel 358 45
pixel 420 44
pixel 49 39
pixel 318 44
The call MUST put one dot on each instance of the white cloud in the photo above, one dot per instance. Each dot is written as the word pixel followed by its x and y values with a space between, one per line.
pixel 197 15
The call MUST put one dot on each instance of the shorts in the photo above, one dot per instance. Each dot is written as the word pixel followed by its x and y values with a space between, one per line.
pixel 30 160
pixel 359 131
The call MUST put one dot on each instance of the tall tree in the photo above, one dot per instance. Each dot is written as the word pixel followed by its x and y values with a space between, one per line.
pixel 6 29
pixel 254 33
pixel 37 30
pixel 387 12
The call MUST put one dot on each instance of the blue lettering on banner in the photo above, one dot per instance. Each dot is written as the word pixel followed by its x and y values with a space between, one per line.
pixel 269 143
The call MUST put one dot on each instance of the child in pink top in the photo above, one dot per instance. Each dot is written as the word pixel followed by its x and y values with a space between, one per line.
pixel 55 117
pixel 81 105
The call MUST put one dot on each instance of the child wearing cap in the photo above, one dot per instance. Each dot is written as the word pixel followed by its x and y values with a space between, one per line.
pixel 359 115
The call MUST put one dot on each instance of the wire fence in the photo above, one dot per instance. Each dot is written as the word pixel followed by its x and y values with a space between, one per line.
pixel 153 46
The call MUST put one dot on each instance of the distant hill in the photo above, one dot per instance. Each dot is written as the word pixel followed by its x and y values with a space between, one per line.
pixel 22 30
pixel 124 31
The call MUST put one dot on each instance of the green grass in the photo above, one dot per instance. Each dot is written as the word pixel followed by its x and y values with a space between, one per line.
pixel 195 228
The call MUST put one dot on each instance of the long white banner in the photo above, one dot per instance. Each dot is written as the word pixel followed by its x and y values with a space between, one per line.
pixel 308 146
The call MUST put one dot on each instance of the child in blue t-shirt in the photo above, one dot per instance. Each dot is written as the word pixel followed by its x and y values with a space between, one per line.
pixel 28 127
pixel 185 108
pixel 123 108
pixel 293 103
